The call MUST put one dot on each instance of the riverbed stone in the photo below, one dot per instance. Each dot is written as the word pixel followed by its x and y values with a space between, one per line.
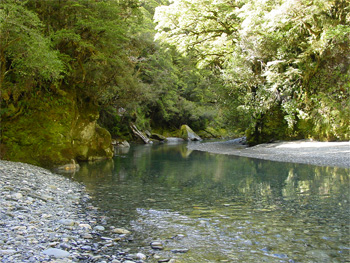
pixel 45 216
pixel 85 226
pixel 121 231
pixel 17 196
pixel 141 256
pixel 99 228
pixel 157 245
pixel 57 253
pixel 67 222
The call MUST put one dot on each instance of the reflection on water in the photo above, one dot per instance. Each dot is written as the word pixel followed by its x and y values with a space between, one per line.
pixel 224 208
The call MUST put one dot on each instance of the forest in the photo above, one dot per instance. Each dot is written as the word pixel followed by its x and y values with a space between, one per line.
pixel 74 74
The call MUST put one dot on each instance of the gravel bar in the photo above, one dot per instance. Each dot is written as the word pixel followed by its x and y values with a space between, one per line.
pixel 335 154
pixel 45 217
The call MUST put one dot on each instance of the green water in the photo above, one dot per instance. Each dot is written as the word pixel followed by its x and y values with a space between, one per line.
pixel 223 208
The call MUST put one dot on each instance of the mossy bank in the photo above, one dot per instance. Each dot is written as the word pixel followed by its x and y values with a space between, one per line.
pixel 50 129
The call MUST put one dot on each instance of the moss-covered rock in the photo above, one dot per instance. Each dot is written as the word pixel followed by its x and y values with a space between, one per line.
pixel 53 130
pixel 187 133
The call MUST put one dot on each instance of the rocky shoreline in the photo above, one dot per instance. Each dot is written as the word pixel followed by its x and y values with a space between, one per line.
pixel 335 154
pixel 46 217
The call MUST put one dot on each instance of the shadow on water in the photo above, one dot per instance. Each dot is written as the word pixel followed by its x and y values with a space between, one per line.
pixel 223 208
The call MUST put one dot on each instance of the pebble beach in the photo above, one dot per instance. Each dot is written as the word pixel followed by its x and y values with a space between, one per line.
pixel 45 217
pixel 334 154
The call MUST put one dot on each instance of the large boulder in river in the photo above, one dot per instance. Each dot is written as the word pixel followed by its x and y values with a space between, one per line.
pixel 187 133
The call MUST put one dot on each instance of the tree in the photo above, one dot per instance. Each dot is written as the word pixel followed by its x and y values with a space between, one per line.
pixel 26 56
pixel 269 53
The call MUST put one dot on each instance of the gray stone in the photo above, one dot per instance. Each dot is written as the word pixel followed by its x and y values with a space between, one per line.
pixel 57 253
pixel 157 245
pixel 121 231
pixel 86 248
pixel 141 256
pixel 17 196
pixel 67 222
pixel 99 228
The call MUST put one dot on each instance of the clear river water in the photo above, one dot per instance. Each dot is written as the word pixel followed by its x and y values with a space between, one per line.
pixel 216 208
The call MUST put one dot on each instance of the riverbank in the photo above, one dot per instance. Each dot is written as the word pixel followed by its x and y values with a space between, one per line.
pixel 46 217
pixel 335 154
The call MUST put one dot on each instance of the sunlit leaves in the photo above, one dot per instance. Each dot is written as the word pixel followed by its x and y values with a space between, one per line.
pixel 201 26
pixel 269 48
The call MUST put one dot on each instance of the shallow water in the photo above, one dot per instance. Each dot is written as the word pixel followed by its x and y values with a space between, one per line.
pixel 223 208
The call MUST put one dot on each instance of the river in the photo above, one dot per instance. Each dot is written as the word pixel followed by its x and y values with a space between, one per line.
pixel 216 208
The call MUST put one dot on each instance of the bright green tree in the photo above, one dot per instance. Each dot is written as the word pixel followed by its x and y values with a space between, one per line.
pixel 271 55
pixel 26 55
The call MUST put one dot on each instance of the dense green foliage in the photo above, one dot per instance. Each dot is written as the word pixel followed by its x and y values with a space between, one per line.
pixel 60 57
pixel 274 69
pixel 285 62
